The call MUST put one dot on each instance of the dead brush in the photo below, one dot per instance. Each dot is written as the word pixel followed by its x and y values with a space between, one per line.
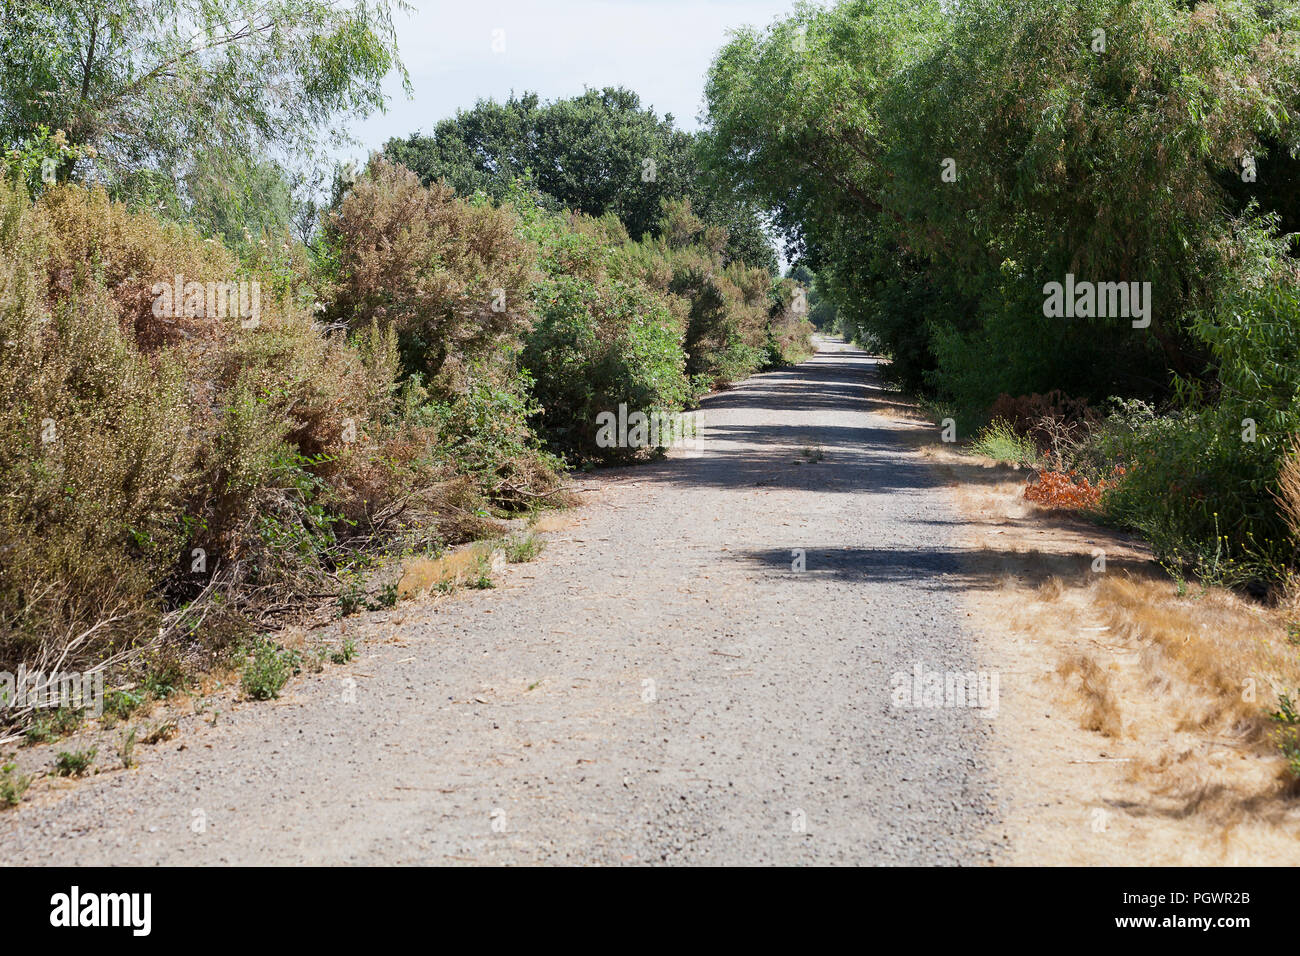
pixel 1288 490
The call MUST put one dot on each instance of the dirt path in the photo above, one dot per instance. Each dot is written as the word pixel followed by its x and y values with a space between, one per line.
pixel 659 686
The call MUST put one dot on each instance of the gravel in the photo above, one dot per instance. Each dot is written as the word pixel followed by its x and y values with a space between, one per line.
pixel 659 686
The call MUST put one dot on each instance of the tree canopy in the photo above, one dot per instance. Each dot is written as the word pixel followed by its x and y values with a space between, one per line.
pixel 597 153
pixel 151 85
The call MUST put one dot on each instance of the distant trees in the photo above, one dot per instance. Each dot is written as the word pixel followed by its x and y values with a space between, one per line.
pixel 941 164
pixel 597 153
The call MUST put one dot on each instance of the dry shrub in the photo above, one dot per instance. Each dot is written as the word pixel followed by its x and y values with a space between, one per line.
pixel 1053 421
pixel 173 481
pixel 1288 493
pixel 127 447
pixel 1069 489
pixel 450 276
pixel 131 253
pixel 95 459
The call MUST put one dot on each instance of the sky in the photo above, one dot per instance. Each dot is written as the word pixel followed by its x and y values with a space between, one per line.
pixel 659 48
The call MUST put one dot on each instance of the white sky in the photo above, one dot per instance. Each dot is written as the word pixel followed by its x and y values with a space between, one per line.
pixel 659 48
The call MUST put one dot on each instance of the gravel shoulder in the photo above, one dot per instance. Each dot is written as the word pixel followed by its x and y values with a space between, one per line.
pixel 659 686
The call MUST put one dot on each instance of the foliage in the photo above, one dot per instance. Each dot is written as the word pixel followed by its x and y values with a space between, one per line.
pixel 598 153
pixel 937 165
pixel 144 82
pixel 74 763
pixel 451 277
pixel 1000 442
pixel 602 336
pixel 267 669
pixel 1065 489
pixel 13 785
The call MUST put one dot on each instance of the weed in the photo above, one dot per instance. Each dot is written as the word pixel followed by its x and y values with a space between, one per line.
pixel 387 597
pixel 267 669
pixel 163 731
pixel 1000 442
pixel 40 730
pixel 482 577
pixel 47 727
pixel 66 721
pixel 524 548
pixel 13 785
pixel 126 748
pixel 74 763
pixel 1288 733
pixel 316 660
pixel 165 679
pixel 122 703
pixel 347 650
pixel 352 598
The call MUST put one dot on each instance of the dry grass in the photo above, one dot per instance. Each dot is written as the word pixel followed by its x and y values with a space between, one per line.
pixel 1167 736
pixel 452 570
pixel 545 522
pixel 1093 684
pixel 1224 657
pixel 1288 480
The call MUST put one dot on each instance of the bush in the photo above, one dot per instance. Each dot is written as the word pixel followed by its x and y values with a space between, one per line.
pixel 602 337
pixel 452 277
pixel 74 763
pixel 217 467
pixel 267 669
pixel 94 452
pixel 13 785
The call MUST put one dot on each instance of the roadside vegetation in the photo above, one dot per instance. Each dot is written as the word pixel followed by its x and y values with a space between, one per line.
pixel 1071 227
pixel 939 166
pixel 237 391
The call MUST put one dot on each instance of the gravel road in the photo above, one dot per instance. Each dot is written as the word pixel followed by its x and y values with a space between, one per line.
pixel 660 686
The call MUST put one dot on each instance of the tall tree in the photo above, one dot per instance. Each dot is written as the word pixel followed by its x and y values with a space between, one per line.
pixel 150 84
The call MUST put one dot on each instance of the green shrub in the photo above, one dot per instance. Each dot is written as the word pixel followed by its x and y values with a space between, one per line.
pixel 602 338
pixel 524 548
pixel 122 703
pixel 267 669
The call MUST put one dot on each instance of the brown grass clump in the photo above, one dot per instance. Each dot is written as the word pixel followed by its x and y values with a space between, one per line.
pixel 1093 683
pixel 1288 495
pixel 468 565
